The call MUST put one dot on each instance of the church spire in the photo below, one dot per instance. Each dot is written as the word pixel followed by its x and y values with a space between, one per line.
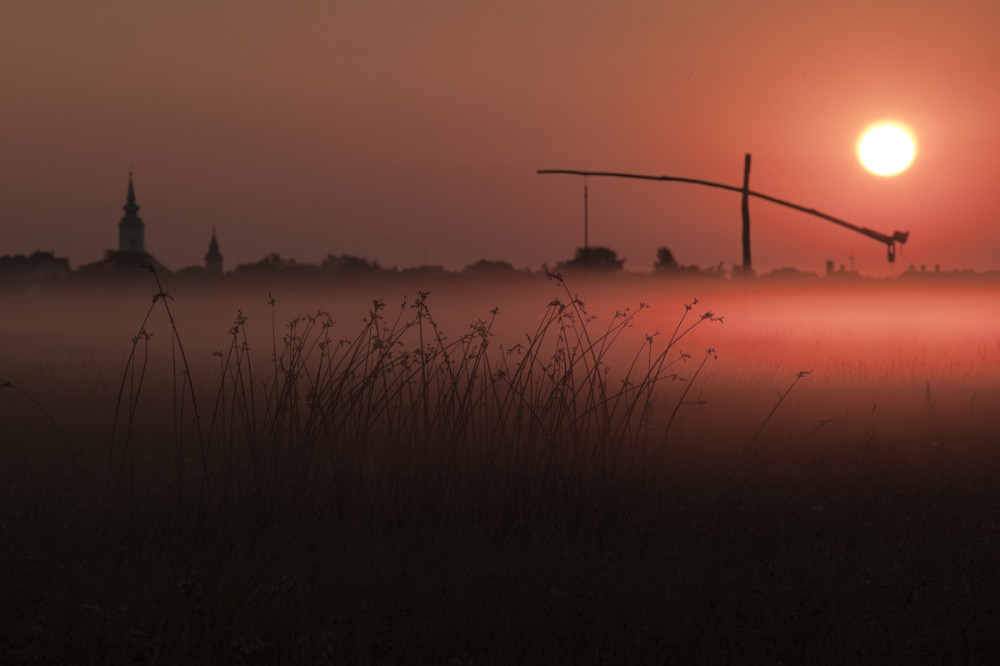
pixel 130 207
pixel 131 230
pixel 213 260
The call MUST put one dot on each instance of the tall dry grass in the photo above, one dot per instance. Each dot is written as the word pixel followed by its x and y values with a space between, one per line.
pixel 398 417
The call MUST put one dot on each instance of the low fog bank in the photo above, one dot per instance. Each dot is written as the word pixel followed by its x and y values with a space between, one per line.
pixel 902 356
pixel 782 323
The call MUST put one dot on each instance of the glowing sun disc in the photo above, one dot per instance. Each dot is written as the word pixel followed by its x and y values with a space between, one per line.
pixel 886 149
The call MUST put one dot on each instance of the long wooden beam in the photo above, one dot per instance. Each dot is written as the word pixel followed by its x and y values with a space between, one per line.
pixel 890 241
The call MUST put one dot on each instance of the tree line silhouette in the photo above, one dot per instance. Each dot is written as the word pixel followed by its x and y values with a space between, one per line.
pixel 43 266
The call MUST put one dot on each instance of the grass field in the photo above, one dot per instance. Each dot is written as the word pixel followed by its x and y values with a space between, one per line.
pixel 534 472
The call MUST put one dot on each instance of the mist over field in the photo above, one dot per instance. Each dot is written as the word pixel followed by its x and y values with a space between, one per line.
pixel 913 359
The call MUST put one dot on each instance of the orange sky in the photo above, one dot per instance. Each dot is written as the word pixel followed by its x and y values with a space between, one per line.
pixel 401 131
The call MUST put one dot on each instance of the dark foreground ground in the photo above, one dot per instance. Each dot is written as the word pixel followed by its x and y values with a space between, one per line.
pixel 885 565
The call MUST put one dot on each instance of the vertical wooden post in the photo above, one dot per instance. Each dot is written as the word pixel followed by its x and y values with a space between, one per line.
pixel 747 266
pixel 586 225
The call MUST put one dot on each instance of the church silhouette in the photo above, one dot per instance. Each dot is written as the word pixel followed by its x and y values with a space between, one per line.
pixel 132 253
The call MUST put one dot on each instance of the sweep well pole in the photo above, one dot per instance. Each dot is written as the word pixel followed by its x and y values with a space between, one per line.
pixel 747 266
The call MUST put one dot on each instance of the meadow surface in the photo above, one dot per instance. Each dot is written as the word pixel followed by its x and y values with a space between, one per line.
pixel 523 471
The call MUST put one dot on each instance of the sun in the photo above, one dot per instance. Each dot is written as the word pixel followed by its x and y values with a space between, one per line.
pixel 886 149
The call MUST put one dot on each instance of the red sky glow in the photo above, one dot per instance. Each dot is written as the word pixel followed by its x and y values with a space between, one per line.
pixel 400 131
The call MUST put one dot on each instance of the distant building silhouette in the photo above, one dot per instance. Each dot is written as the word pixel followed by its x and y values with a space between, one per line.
pixel 213 260
pixel 131 230
pixel 131 253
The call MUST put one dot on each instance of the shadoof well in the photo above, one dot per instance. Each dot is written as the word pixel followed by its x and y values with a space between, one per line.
pixel 746 192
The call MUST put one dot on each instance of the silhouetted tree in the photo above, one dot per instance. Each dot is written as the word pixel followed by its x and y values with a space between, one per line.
pixel 39 265
pixel 665 260
pixel 275 263
pixel 348 264
pixel 271 262
pixel 597 258
pixel 489 266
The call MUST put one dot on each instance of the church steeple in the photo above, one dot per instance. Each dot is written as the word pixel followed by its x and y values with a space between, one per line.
pixel 213 260
pixel 131 229
pixel 130 206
